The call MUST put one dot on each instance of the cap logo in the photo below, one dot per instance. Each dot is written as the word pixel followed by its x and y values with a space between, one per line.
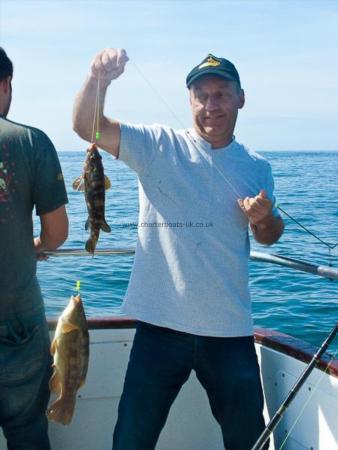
pixel 210 62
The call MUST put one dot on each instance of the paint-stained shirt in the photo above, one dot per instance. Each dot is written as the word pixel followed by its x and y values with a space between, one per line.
pixel 30 176
pixel 191 265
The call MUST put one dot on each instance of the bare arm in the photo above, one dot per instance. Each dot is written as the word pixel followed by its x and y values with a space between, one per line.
pixel 106 66
pixel 54 230
pixel 265 227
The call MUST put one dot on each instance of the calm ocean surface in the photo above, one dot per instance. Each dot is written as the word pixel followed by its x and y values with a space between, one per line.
pixel 305 306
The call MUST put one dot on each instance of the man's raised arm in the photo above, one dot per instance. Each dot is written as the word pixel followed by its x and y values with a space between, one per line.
pixel 106 66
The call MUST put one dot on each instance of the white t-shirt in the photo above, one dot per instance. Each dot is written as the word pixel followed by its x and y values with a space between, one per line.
pixel 190 270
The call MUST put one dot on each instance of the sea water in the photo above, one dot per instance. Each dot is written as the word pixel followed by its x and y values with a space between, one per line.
pixel 293 302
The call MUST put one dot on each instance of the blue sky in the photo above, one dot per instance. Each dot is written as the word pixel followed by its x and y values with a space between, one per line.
pixel 286 53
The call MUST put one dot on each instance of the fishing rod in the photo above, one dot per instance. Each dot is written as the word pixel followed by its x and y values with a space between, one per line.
pixel 297 264
pixel 279 414
pixel 81 252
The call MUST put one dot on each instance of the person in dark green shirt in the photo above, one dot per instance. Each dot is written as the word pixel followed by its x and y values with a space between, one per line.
pixel 30 176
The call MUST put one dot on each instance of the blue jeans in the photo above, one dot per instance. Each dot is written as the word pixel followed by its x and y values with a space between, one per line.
pixel 160 363
pixel 25 368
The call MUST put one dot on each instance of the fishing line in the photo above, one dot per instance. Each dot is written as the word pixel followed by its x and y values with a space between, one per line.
pixel 96 117
pixel 157 93
pixel 313 391
pixel 238 195
pixel 330 246
pixel 96 134
pixel 78 286
pixel 235 191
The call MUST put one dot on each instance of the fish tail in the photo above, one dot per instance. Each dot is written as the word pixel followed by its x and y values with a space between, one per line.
pixel 91 245
pixel 61 410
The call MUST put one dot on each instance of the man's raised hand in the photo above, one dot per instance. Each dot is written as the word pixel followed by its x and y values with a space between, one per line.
pixel 109 64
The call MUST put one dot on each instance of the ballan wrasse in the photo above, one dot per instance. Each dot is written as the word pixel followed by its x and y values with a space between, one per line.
pixel 70 349
pixel 94 183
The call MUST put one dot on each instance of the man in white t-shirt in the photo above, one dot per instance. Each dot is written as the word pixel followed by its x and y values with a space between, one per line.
pixel 199 191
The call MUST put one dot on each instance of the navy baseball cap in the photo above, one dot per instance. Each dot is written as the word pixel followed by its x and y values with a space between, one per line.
pixel 211 65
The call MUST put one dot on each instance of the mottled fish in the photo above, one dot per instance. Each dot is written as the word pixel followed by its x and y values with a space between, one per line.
pixel 70 349
pixel 94 183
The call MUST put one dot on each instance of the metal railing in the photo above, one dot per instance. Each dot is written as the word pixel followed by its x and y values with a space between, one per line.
pixel 303 266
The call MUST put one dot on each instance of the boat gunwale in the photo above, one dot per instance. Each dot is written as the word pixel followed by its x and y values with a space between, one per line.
pixel 283 343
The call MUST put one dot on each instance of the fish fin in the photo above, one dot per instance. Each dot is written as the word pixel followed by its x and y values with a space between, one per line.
pixel 68 327
pixel 107 183
pixel 62 410
pixel 54 383
pixel 105 227
pixel 90 246
pixel 82 382
pixel 53 347
pixel 78 183
pixel 87 224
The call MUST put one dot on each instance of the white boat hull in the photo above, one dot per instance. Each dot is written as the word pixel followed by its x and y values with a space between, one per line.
pixel 190 425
